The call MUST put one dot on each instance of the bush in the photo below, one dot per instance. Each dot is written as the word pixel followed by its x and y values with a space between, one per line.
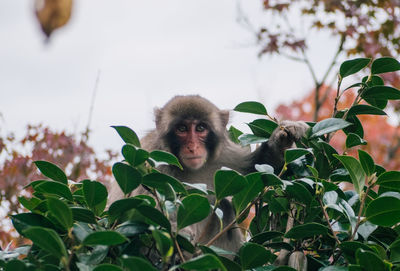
pixel 301 213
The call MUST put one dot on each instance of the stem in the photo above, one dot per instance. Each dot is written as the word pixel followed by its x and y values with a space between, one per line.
pixel 364 197
pixel 179 251
pixel 327 220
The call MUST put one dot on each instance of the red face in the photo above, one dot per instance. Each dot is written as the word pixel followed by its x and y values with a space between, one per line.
pixel 192 136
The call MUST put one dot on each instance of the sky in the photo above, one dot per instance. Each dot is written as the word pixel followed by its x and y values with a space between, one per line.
pixel 141 53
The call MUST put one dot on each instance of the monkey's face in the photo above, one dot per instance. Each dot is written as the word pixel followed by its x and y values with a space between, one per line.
pixel 192 135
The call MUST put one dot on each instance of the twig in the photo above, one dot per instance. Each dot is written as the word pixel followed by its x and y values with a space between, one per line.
pixel 96 84
pixel 179 251
pixel 327 220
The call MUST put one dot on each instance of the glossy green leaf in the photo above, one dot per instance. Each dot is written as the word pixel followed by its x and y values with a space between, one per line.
pixel 253 187
pixel 15 265
pixel 234 134
pixel 293 154
pixel 349 249
pixel 134 156
pixel 385 210
pixel 194 208
pixel 94 192
pixel 251 107
pixel 306 230
pixel 54 188
pixel 47 239
pixel 327 126
pixel 229 264
pixel 106 238
pixel 166 157
pixel 395 251
pixel 26 220
pixel 228 183
pixel 137 263
pixel 367 162
pixel 203 262
pixel 253 255
pixel 262 127
pixel 163 243
pixel 52 171
pixel 353 140
pixel 83 215
pixel 350 67
pixel 364 109
pixel 389 180
pixel 381 93
pixel 369 261
pixel 384 64
pixel 128 178
pixel 247 139
pixel 373 80
pixel 154 215
pixel 155 179
pixel 118 207
pixel 107 267
pixel 127 135
pixel 61 212
pixel 355 170
pixel 265 236
pixel 271 180
pixel 299 192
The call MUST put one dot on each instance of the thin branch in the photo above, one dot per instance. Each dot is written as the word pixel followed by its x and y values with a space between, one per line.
pixel 96 84
pixel 327 220
pixel 179 251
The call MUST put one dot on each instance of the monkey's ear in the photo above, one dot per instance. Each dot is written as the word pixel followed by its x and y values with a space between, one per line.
pixel 224 115
pixel 158 115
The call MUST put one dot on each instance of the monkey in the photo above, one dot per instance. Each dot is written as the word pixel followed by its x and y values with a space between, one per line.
pixel 194 130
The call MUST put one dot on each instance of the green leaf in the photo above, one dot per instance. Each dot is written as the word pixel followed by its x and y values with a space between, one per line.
pixel 395 251
pixel 26 220
pixel 163 243
pixel 127 135
pixel 155 179
pixel 327 126
pixel 29 203
pixel 350 67
pixel 15 265
pixel 137 263
pixel 349 249
pixel 389 180
pixel 106 238
pixel 299 192
pixel 385 64
pixel 353 140
pixel 364 109
pixel 203 262
pixel 134 156
pixel 118 207
pixel 251 107
pixel 54 188
pixel 194 208
pixel 271 180
pixel 373 80
pixel 94 192
pixel 154 215
pixel 306 230
pixel 247 139
pixel 107 267
pixel 48 240
pixel 293 154
pixel 355 170
pixel 369 261
pixel 83 215
pixel 265 236
pixel 61 212
pixel 228 183
pixel 367 162
pixel 169 158
pixel 253 187
pixel 381 93
pixel 128 178
pixel 385 210
pixel 253 255
pixel 234 134
pixel 262 127
pixel 52 171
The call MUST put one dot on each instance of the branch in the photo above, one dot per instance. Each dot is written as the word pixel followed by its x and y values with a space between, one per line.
pixel 327 220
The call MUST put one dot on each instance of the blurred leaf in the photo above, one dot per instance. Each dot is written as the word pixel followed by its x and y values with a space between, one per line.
pixel 203 262
pixel 247 139
pixel 194 208
pixel 265 236
pixel 251 107
pixel 306 230
pixel 234 134
pixel 107 238
pixel 369 261
pixel 47 239
pixel 355 170
pixel 52 171
pixel 353 140
pixel 327 126
pixel 137 263
pixel 389 180
pixel 293 154
pixel 83 215
pixel 163 243
pixel 367 162
pixel 54 188
pixel 154 215
pixel 26 220
pixel 299 192
pixel 107 267
pixel 381 93
pixel 364 109
pixel 271 180
pixel 373 80
pixel 128 178
pixel 264 168
pixel 349 249
pixel 395 251
pixel 94 192
pixel 228 183
pixel 384 64
pixel 350 67
pixel 385 210
pixel 61 212
pixel 253 255
pixel 127 135
pixel 169 158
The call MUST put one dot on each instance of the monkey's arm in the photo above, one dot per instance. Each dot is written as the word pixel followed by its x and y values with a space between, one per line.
pixel 284 137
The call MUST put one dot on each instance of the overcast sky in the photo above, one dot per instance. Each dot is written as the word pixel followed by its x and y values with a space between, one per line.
pixel 146 52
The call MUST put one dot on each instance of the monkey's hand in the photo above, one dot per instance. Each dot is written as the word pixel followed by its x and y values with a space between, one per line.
pixel 287 133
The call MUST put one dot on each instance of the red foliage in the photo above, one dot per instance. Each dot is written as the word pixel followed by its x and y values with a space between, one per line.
pixel 383 138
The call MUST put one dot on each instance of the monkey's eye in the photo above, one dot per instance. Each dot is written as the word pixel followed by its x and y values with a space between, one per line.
pixel 201 127
pixel 181 128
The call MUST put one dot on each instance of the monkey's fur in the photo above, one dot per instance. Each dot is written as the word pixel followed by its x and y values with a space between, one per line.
pixel 222 152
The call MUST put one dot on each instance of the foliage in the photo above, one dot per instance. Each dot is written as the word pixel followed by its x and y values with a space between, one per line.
pixel 41 143
pixel 301 212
